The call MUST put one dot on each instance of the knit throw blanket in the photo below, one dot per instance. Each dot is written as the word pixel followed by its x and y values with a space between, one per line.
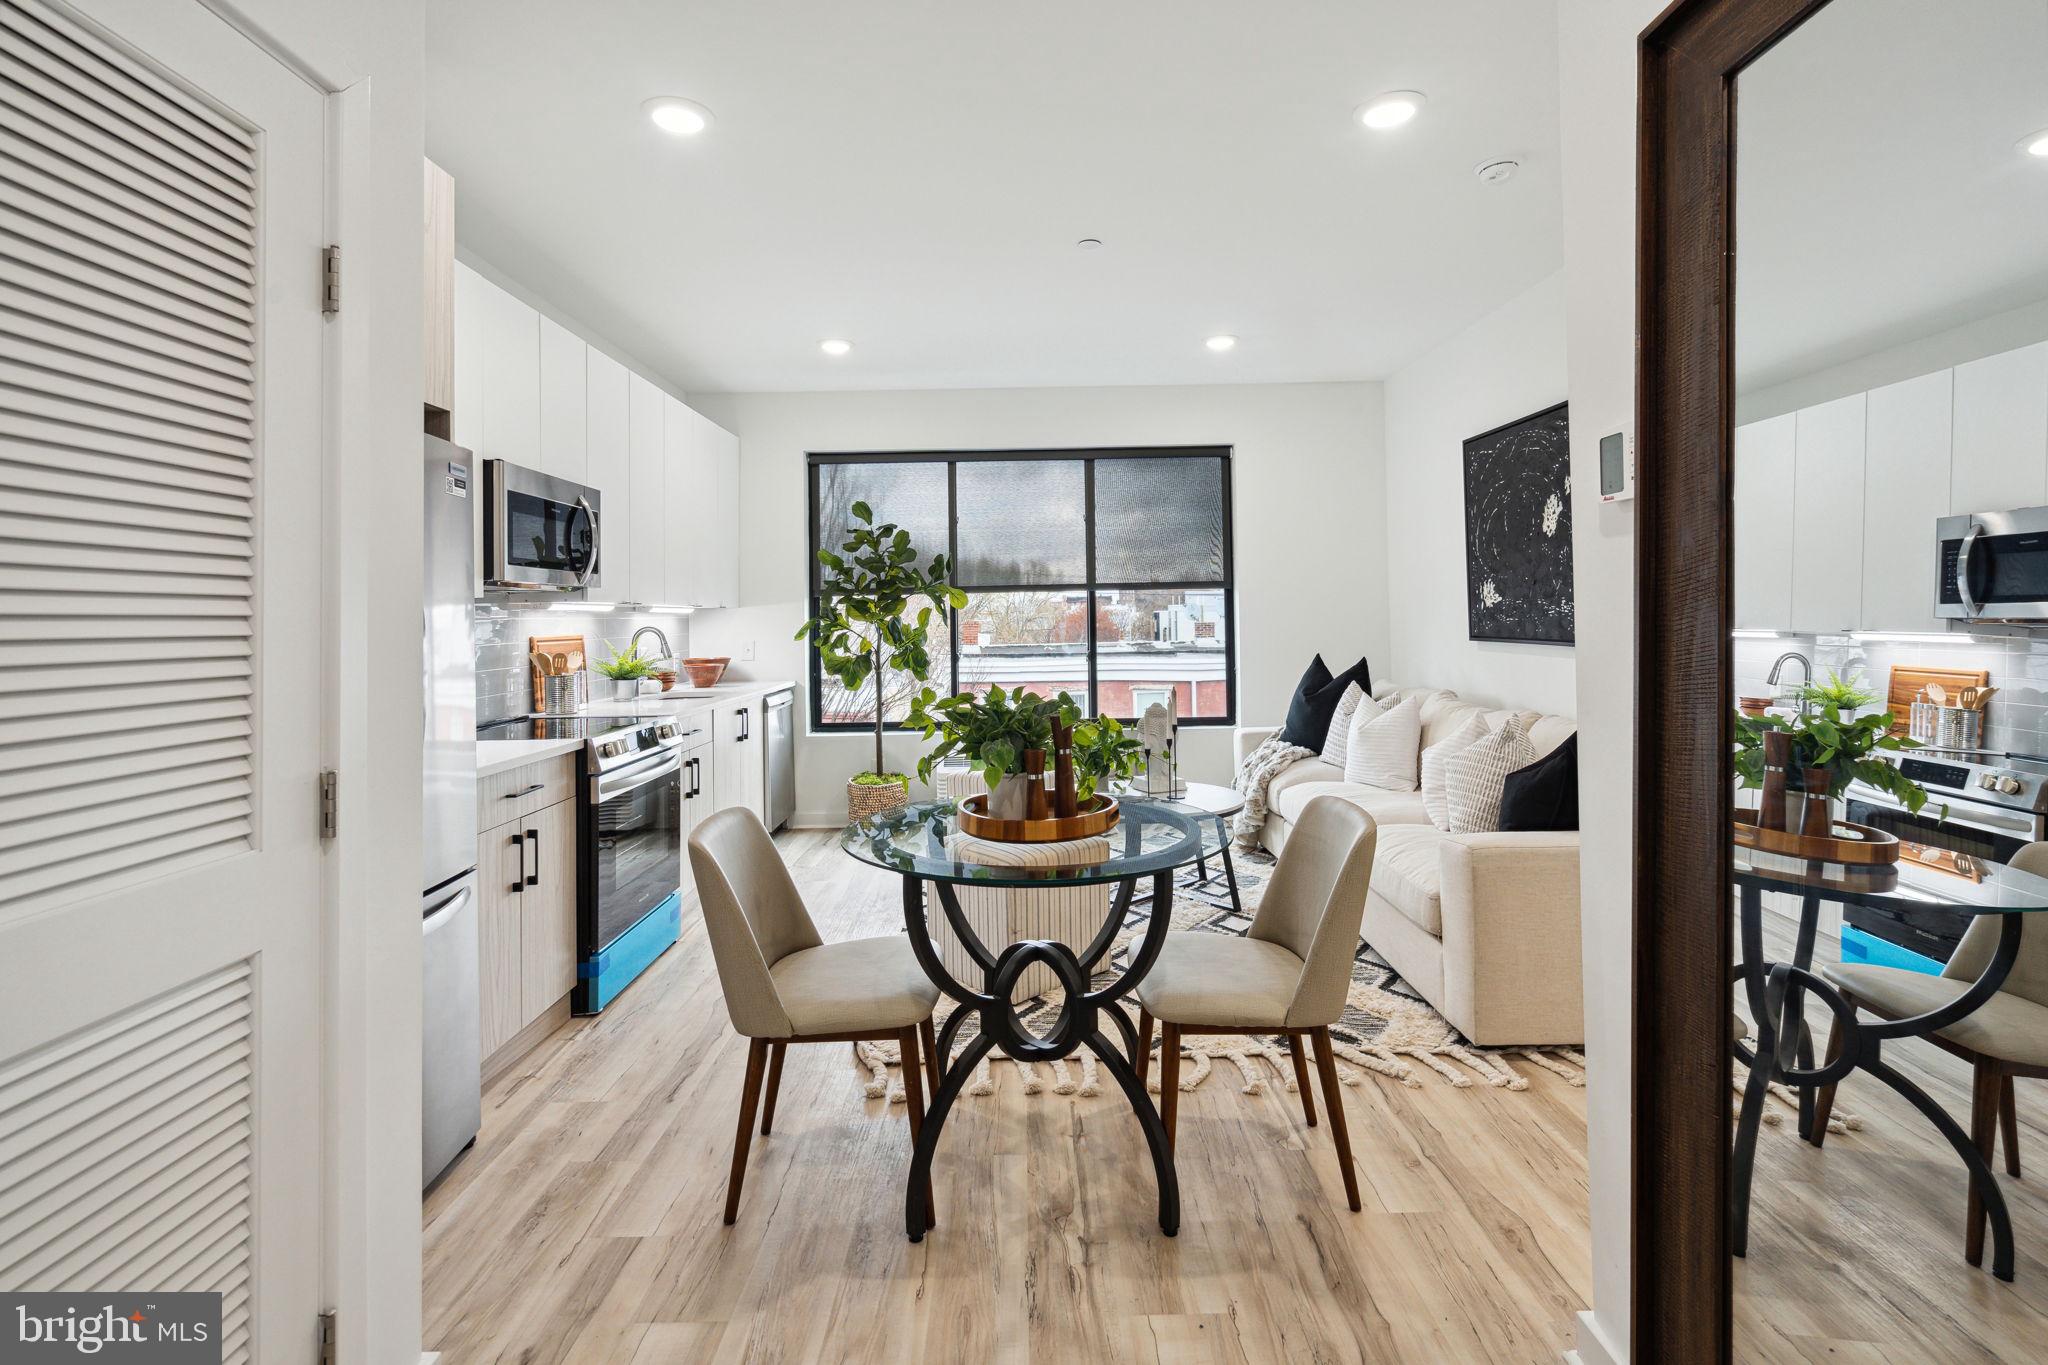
pixel 1273 757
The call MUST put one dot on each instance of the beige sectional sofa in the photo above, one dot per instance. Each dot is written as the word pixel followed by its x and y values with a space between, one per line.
pixel 1483 926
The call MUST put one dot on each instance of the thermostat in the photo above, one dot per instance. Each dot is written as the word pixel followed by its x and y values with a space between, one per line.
pixel 1618 465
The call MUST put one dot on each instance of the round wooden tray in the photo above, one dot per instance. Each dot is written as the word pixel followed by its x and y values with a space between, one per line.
pixel 1871 846
pixel 1099 815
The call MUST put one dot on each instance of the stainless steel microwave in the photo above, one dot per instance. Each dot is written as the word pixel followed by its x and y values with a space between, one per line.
pixel 540 532
pixel 1993 567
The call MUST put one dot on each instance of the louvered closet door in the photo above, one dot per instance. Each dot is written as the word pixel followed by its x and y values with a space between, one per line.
pixel 161 191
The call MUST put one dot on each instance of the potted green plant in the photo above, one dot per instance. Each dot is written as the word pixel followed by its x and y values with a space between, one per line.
pixel 868 587
pixel 626 670
pixel 995 730
pixel 1828 735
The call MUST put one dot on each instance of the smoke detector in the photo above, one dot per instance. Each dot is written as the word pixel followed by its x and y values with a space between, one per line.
pixel 1496 172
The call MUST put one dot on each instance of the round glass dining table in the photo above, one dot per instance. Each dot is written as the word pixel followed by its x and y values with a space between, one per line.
pixel 1151 840
pixel 1925 881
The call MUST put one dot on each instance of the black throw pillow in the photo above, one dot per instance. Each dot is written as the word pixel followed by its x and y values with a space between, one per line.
pixel 1315 701
pixel 1544 795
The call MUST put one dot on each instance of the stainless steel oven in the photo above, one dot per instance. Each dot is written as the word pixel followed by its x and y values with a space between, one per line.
pixel 540 532
pixel 629 910
pixel 1993 566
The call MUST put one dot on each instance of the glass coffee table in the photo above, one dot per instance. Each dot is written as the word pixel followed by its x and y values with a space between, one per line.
pixel 1152 840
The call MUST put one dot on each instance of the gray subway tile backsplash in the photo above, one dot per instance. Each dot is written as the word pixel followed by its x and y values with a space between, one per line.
pixel 504 675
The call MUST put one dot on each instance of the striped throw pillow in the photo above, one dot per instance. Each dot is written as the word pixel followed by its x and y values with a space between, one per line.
pixel 1435 798
pixel 1339 742
pixel 1475 775
pixel 1384 749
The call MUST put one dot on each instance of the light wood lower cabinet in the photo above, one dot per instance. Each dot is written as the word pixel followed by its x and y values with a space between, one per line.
pixel 740 771
pixel 526 901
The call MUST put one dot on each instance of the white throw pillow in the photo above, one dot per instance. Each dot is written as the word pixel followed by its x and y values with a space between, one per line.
pixel 1475 775
pixel 1384 749
pixel 1337 745
pixel 1435 798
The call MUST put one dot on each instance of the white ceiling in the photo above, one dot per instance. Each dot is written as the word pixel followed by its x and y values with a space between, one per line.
pixel 914 174
pixel 1879 194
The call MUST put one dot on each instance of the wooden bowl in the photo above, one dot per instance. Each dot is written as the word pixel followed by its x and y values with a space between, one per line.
pixel 1099 815
pixel 706 672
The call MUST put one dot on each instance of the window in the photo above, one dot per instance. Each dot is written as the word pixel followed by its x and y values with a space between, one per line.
pixel 1103 573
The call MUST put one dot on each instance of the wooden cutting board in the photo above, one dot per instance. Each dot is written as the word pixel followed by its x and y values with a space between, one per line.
pixel 1907 684
pixel 568 648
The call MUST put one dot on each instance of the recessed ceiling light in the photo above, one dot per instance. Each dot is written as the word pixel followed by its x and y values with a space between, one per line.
pixel 678 117
pixel 1392 109
pixel 834 346
pixel 1089 243
pixel 1221 342
pixel 2035 144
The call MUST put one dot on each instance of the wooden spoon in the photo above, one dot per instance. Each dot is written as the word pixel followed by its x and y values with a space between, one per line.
pixel 540 663
pixel 1937 694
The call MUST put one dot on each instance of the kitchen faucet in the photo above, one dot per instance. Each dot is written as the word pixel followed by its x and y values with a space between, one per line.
pixel 1805 668
pixel 657 633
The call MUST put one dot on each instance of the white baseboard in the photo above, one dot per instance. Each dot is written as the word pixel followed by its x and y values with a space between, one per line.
pixel 817 819
pixel 1594 1348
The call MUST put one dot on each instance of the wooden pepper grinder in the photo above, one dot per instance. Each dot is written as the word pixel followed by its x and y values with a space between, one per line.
pixel 1037 808
pixel 1777 778
pixel 1819 822
pixel 1065 801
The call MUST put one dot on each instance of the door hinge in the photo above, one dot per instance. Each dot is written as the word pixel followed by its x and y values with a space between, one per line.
pixel 330 803
pixel 330 280
pixel 327 1349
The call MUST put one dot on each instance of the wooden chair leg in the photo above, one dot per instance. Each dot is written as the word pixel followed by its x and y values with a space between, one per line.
pixel 775 1051
pixel 1326 1063
pixel 1169 1079
pixel 757 1057
pixel 1308 1092
pixel 1143 1061
pixel 1983 1129
pixel 913 1099
pixel 1824 1102
pixel 928 1038
pixel 2009 1120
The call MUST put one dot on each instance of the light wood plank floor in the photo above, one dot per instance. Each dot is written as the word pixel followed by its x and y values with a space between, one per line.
pixel 585 1224
pixel 1856 1249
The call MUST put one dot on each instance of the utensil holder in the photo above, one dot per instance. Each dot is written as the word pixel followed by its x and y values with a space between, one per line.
pixel 559 693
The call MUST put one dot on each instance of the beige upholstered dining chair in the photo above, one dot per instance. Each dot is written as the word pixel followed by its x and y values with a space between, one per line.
pixel 2005 1037
pixel 784 985
pixel 1291 974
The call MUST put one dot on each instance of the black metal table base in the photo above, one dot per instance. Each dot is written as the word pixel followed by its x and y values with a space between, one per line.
pixel 1784 1053
pixel 1076 1026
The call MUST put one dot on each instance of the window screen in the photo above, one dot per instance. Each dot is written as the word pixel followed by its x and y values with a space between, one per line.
pixel 1103 573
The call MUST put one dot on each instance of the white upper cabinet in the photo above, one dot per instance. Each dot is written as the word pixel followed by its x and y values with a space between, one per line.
pixel 1763 523
pixel 563 434
pixel 725 461
pixel 506 337
pixel 606 469
pixel 466 418
pixel 647 576
pixel 2000 458
pixel 1827 517
pixel 1906 478
pixel 683 529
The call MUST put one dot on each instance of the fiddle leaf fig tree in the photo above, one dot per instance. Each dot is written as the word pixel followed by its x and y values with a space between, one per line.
pixel 867 588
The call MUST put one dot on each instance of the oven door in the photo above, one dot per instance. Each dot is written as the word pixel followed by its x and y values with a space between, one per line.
pixel 1990 833
pixel 1994 566
pixel 633 826
pixel 541 532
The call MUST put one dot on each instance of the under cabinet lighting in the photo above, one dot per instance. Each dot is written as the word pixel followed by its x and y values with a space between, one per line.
pixel 835 346
pixel 1221 342
pixel 1753 635
pixel 669 610
pixel 1908 637
pixel 583 606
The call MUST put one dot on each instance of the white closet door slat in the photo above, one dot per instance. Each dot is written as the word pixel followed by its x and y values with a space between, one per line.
pixel 170 843
pixel 118 329
pixel 116 70
pixel 82 761
pixel 118 478
pixel 182 391
pixel 67 197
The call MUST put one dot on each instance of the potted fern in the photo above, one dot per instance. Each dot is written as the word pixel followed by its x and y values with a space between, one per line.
pixel 864 630
pixel 996 730
pixel 1829 738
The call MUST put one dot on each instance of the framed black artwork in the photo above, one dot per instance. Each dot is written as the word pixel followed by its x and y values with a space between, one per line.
pixel 1518 531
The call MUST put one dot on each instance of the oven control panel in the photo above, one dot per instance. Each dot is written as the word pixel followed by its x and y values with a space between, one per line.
pixel 2002 783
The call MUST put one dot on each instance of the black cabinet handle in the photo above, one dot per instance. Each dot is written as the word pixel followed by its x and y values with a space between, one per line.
pixel 533 877
pixel 520 883
pixel 524 791
pixel 746 725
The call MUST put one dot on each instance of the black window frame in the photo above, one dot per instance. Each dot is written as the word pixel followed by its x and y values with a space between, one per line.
pixel 816 460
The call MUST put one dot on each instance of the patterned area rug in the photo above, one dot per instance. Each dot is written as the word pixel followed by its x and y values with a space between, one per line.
pixel 1387 1028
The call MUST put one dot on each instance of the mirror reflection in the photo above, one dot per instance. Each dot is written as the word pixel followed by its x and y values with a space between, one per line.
pixel 1890 995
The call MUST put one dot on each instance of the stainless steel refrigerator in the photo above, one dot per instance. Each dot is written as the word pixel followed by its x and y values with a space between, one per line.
pixel 451 1104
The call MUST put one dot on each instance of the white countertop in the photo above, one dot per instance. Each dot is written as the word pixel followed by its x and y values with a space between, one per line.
pixel 495 756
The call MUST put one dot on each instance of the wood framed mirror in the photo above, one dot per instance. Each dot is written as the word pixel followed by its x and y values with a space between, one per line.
pixel 1942 87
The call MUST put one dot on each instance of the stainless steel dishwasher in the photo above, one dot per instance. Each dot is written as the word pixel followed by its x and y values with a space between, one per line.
pixel 781 758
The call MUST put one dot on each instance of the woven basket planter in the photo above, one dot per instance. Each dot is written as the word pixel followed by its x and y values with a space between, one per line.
pixel 863 800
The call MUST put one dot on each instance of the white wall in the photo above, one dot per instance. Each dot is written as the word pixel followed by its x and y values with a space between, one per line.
pixel 1507 365
pixel 1597 78
pixel 1308 481
pixel 1943 350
